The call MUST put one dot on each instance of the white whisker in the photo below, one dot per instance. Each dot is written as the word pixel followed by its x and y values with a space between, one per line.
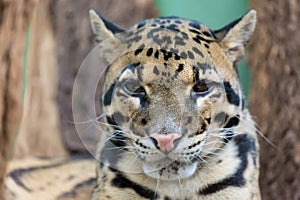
pixel 119 148
pixel 95 120
pixel 157 186
pixel 181 187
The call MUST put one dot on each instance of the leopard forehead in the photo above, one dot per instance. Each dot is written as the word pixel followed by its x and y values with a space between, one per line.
pixel 173 39
pixel 180 44
pixel 174 34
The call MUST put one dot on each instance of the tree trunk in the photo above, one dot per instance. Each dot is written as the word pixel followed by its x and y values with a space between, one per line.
pixel 14 20
pixel 39 132
pixel 275 96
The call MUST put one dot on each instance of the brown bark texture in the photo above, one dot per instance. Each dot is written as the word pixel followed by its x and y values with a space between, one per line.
pixel 14 19
pixel 275 96
pixel 39 133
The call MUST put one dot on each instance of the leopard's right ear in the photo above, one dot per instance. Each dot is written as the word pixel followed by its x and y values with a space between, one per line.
pixel 102 28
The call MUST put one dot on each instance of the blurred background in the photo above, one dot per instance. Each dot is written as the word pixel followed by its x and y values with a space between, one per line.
pixel 43 43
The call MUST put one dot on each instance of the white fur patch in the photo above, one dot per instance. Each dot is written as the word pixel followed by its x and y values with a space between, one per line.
pixel 169 170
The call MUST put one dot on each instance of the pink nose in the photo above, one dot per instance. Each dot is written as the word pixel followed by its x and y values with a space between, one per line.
pixel 165 142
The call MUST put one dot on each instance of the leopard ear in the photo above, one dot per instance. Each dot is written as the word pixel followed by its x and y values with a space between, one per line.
pixel 234 36
pixel 102 28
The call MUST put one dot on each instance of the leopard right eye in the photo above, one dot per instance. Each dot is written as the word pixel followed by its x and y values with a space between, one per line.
pixel 202 88
pixel 134 89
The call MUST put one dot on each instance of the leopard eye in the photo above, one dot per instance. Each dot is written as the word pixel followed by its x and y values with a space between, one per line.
pixel 202 88
pixel 139 92
pixel 133 89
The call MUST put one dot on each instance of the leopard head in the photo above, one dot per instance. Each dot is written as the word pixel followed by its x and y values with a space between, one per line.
pixel 172 96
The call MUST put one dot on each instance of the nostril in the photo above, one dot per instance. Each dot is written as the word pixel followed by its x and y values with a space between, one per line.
pixel 176 141
pixel 165 142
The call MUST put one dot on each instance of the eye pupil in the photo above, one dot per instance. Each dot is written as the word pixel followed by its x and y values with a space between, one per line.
pixel 134 89
pixel 139 92
pixel 201 87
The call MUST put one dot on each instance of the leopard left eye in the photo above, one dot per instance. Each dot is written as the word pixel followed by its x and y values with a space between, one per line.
pixel 202 88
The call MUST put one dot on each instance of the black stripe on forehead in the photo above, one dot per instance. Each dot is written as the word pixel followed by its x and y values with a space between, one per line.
pixel 195 74
pixel 139 50
pixel 130 67
pixel 204 67
pixel 141 24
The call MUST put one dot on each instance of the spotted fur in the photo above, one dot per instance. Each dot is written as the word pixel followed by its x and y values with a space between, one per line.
pixel 50 179
pixel 176 77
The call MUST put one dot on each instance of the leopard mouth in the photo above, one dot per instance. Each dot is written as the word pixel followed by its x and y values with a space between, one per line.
pixel 168 169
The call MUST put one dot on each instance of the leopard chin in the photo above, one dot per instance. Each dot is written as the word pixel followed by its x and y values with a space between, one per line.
pixel 169 170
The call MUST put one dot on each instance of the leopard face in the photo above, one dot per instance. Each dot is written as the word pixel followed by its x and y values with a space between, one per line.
pixel 172 98
pixel 169 112
pixel 166 122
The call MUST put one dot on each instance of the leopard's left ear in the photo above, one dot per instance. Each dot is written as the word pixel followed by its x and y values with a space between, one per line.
pixel 234 36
